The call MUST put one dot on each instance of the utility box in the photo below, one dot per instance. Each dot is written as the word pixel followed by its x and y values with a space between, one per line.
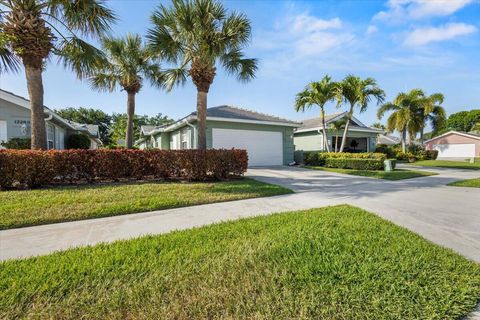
pixel 388 165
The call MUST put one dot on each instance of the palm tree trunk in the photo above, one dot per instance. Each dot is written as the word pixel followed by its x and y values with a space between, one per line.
pixel 202 119
pixel 130 116
pixel 37 118
pixel 345 131
pixel 404 138
pixel 325 140
pixel 421 135
pixel 336 141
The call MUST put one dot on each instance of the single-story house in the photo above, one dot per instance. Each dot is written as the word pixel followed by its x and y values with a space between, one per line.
pixel 360 138
pixel 267 139
pixel 388 140
pixel 455 145
pixel 15 123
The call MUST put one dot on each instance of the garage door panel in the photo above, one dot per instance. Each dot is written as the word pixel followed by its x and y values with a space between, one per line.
pixel 455 150
pixel 263 147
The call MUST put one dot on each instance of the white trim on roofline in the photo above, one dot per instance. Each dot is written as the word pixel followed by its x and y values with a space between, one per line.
pixel 366 129
pixel 7 96
pixel 188 119
pixel 343 114
pixel 465 134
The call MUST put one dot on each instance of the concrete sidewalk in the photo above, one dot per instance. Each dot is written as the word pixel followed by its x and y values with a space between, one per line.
pixel 445 215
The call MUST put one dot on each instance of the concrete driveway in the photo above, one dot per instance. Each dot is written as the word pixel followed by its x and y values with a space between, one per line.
pixel 449 216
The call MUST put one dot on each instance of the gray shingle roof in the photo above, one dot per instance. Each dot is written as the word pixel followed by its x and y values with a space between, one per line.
pixel 317 122
pixel 230 112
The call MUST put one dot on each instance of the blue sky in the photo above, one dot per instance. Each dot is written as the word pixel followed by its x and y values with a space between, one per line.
pixel 403 44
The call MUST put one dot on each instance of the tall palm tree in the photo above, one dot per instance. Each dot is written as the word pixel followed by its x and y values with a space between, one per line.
pixel 317 93
pixel 127 62
pixel 33 30
pixel 433 113
pixel 403 117
pixel 337 126
pixel 197 36
pixel 357 92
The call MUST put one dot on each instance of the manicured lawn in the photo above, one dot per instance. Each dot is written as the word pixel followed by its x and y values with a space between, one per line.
pixel 330 263
pixel 449 164
pixel 397 174
pixel 33 207
pixel 472 183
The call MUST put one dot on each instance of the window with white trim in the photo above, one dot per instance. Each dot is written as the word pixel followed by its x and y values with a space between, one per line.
pixel 50 136
pixel 184 139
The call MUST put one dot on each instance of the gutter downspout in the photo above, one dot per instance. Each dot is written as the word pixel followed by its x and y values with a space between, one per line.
pixel 194 133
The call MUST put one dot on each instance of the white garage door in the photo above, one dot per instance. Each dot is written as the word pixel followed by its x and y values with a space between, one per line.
pixel 455 150
pixel 264 148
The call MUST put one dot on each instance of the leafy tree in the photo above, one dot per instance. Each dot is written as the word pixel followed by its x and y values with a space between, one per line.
pixel 431 112
pixel 472 119
pixel 317 94
pixel 31 31
pixel 197 36
pixel 89 116
pixel 357 92
pixel 403 108
pixel 119 125
pixel 378 125
pixel 126 64
pixel 462 121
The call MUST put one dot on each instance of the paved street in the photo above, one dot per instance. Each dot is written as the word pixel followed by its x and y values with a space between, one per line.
pixel 448 216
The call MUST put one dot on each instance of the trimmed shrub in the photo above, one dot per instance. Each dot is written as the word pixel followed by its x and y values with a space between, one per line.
pixel 28 169
pixel 318 158
pixel 78 141
pixel 354 163
pixel 17 143
pixel 431 154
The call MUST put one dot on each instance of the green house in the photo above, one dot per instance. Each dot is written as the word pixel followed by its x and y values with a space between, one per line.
pixel 267 139
pixel 360 138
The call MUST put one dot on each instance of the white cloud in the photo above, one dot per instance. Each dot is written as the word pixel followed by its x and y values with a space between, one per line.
pixel 305 35
pixel 306 23
pixel 372 29
pixel 401 10
pixel 423 36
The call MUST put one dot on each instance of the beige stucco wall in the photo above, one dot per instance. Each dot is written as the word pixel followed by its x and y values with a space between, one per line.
pixel 454 138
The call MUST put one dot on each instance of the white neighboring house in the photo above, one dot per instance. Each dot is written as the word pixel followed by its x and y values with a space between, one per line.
pixel 388 140
pixel 15 123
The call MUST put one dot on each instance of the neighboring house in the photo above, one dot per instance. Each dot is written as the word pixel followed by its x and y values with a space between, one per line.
pixel 360 138
pixel 455 145
pixel 15 123
pixel 267 139
pixel 387 139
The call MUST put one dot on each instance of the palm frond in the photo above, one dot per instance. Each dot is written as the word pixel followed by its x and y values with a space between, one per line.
pixel 104 82
pixel 79 56
pixel 174 77
pixel 9 62
pixel 89 17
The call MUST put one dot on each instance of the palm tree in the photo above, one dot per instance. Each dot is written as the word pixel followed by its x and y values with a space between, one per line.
pixel 433 113
pixel 197 36
pixel 127 62
pixel 357 92
pixel 337 126
pixel 317 93
pixel 403 117
pixel 33 30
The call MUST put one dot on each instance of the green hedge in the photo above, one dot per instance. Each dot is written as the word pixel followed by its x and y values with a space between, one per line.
pixel 354 163
pixel 319 158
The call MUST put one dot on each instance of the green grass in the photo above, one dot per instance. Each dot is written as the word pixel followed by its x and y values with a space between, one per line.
pixel 472 183
pixel 34 207
pixel 330 263
pixel 397 174
pixel 449 164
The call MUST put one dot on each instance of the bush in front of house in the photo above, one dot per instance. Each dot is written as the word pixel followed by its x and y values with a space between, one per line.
pixel 414 153
pixel 354 163
pixel 319 158
pixel 77 141
pixel 17 143
pixel 32 168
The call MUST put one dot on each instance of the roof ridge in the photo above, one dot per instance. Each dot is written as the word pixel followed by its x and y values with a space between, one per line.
pixel 260 113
